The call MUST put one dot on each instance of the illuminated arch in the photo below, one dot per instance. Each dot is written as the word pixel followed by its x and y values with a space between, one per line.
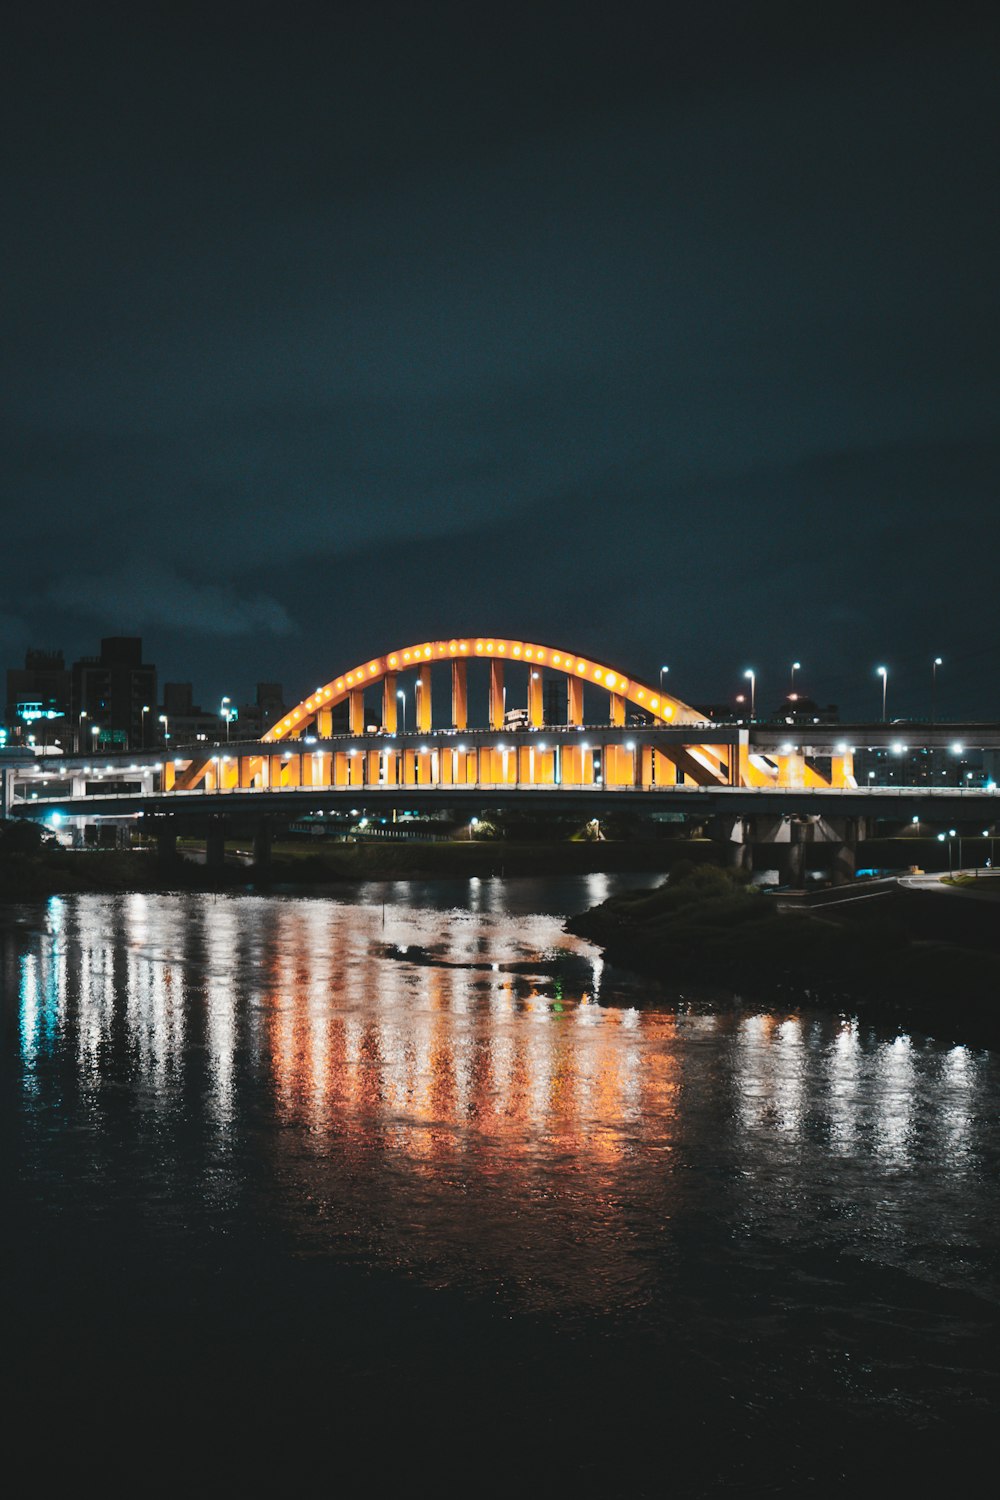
pixel 662 706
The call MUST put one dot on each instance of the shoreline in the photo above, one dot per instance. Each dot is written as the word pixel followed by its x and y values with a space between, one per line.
pixel 897 966
pixel 906 960
pixel 66 872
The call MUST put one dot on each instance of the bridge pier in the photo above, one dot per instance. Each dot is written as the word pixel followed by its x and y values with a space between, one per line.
pixel 215 843
pixel 792 861
pixel 740 847
pixel 843 834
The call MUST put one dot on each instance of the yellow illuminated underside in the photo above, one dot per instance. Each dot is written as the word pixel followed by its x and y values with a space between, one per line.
pixel 487 648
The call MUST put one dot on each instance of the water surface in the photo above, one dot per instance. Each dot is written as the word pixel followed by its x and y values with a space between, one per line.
pixel 413 1160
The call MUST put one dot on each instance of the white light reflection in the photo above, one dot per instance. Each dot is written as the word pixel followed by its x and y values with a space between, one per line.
pixel 844 1065
pixel 894 1086
pixel 955 1116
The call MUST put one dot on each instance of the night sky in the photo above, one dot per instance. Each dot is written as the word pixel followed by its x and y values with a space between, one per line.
pixel 665 333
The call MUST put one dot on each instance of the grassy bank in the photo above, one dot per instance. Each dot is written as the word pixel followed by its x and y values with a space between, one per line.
pixel 52 871
pixel 884 962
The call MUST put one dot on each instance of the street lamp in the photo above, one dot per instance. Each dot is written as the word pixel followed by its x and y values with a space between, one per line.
pixel 942 837
pixel 796 666
pixel 163 720
pixel 753 692
pixel 142 723
pixel 934 666
pixel 883 672
pixel 79 731
pixel 225 713
pixel 400 694
pixel 663 670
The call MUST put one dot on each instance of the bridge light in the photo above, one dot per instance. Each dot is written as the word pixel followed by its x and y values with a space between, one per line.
pixel 956 749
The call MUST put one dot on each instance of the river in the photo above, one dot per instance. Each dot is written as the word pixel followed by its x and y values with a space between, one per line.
pixel 405 1173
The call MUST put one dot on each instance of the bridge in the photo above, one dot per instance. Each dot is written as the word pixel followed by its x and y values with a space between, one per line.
pixel 617 742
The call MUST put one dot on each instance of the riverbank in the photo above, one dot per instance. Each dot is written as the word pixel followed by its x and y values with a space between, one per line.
pixel 56 871
pixel 893 959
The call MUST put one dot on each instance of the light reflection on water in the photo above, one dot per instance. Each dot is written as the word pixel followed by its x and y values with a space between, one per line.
pixel 434 1079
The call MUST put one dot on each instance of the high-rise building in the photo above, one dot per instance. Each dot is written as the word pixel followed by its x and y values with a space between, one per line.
pixel 38 698
pixel 113 694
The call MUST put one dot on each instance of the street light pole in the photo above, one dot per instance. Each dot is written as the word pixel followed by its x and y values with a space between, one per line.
pixel 142 722
pixel 934 666
pixel 663 671
pixel 883 672
pixel 162 719
pixel 796 665
pixel 753 693
pixel 225 714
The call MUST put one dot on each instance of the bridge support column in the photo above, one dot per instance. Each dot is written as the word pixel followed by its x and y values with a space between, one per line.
pixel 793 861
pixel 424 705
pixel 262 845
pixel 324 723
pixel 496 695
pixel 459 696
pixel 617 710
pixel 390 703
pixel 736 834
pixel 574 700
pixel 536 698
pixel 215 843
pixel 842 834
pixel 357 710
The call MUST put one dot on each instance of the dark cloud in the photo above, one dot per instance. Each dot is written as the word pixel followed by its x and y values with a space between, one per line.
pixel 330 327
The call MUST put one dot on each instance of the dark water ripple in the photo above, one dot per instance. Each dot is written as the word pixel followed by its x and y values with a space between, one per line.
pixel 413 1161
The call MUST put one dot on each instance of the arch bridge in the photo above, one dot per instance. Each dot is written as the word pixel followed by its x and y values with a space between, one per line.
pixel 644 737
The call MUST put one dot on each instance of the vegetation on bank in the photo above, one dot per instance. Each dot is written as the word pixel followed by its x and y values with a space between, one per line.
pixel 708 924
pixel 33 864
